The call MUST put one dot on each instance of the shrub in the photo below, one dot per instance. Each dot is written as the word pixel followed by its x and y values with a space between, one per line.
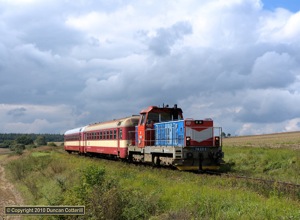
pixel 51 144
pixel 40 140
pixel 30 146
pixel 17 148
pixel 6 144
pixel 24 139
pixel 139 205
pixel 93 175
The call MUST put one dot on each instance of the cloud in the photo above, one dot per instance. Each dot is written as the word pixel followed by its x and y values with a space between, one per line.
pixel 165 38
pixel 37 118
pixel 64 64
pixel 17 112
pixel 269 106
pixel 273 70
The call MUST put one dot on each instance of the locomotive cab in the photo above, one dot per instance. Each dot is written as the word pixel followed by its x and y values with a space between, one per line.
pixel 152 115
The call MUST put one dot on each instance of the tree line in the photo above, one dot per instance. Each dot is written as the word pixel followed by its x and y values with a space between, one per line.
pixel 19 142
pixel 33 137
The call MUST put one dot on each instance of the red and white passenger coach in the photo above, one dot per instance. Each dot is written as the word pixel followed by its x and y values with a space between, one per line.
pixel 109 138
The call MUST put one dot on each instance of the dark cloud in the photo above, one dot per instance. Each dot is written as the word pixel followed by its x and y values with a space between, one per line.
pixel 17 112
pixel 269 107
pixel 165 38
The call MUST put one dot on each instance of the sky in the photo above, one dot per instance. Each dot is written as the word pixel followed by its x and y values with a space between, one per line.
pixel 66 64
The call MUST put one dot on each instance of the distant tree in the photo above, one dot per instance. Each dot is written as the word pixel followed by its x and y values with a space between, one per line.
pixel 17 148
pixel 40 140
pixel 24 139
pixel 223 134
pixel 228 135
pixel 6 143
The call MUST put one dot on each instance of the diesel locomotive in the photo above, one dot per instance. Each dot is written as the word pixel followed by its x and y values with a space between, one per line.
pixel 159 136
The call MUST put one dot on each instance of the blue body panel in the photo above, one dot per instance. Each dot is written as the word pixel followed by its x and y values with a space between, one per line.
pixel 169 133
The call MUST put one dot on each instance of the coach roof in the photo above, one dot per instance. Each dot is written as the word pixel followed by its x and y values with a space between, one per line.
pixel 75 130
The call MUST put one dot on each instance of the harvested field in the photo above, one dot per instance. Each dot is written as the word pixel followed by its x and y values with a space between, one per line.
pixel 290 140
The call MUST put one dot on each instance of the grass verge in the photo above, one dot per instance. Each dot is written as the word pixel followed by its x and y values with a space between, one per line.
pixel 116 190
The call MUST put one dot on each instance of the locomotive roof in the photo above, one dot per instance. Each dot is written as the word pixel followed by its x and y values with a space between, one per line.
pixel 75 130
pixel 122 122
pixel 159 109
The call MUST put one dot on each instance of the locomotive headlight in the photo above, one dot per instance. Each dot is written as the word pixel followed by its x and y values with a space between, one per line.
pixel 217 141
pixel 188 141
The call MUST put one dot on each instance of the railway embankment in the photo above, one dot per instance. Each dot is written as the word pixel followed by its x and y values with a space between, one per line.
pixel 118 190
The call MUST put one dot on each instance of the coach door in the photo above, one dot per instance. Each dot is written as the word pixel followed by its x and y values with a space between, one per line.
pixel 81 142
pixel 84 141
pixel 119 139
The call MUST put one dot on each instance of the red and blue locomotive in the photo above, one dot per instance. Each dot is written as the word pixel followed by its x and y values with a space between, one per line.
pixel 159 136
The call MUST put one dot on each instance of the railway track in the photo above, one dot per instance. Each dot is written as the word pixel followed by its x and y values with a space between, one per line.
pixel 265 185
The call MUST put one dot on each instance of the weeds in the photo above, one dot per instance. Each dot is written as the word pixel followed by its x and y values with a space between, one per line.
pixel 112 190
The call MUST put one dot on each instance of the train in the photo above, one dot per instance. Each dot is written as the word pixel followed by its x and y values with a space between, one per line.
pixel 158 135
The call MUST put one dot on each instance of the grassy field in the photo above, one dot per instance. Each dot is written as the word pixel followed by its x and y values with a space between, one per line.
pixel 117 190
pixel 273 156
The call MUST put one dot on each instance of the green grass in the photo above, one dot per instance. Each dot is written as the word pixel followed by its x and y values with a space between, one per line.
pixel 116 190
pixel 271 163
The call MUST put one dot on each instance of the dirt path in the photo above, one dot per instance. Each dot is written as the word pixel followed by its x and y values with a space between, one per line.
pixel 8 194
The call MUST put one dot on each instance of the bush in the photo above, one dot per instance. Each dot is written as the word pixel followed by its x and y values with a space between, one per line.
pixel 93 175
pixel 51 144
pixel 6 144
pixel 25 166
pixel 24 139
pixel 40 140
pixel 17 148
pixel 30 146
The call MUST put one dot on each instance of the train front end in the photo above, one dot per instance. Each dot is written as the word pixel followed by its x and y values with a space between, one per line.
pixel 202 148
pixel 197 143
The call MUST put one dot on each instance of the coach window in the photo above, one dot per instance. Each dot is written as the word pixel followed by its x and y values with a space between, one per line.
pixel 120 134
pixel 100 136
pixel 111 135
pixel 115 134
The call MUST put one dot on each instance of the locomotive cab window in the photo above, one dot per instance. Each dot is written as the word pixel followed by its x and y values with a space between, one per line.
pixel 143 118
pixel 153 117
